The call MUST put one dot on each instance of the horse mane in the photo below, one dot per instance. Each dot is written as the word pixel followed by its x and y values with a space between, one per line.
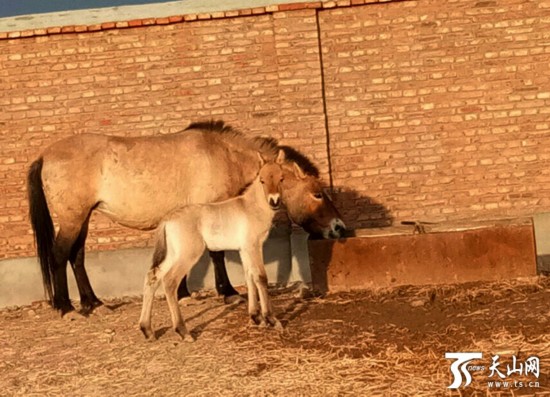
pixel 305 164
pixel 261 144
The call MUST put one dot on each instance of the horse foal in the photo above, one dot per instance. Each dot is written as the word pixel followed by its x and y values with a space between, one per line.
pixel 241 223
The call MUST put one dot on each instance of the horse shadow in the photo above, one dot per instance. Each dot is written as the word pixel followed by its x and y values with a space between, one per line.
pixel 200 328
pixel 360 211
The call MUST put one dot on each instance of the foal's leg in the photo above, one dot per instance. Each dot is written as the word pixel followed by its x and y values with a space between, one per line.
pixel 223 285
pixel 171 281
pixel 162 262
pixel 253 309
pixel 193 249
pixel 259 277
pixel 149 287
pixel 88 299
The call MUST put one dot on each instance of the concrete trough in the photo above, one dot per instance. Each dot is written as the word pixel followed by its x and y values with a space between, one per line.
pixel 445 254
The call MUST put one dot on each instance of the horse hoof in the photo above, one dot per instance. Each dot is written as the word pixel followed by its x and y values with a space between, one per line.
pixel 148 333
pixel 263 324
pixel 73 316
pixel 188 338
pixel 272 321
pixel 278 326
pixel 233 299
pixel 255 320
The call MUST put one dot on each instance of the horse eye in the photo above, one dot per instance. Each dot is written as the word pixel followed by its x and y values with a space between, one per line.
pixel 262 181
pixel 318 196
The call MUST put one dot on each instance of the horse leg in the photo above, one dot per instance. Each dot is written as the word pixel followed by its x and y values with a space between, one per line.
pixel 171 281
pixel 223 285
pixel 88 299
pixel 61 251
pixel 253 309
pixel 194 247
pixel 149 287
pixel 259 278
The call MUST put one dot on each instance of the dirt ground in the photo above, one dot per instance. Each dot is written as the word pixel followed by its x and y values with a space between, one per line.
pixel 387 342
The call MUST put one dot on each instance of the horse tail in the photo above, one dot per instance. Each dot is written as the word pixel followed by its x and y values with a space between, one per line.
pixel 42 225
pixel 159 254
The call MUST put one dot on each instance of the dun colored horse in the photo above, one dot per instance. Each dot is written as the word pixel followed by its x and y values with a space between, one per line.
pixel 136 182
pixel 241 223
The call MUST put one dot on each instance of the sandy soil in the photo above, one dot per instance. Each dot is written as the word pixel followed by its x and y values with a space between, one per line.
pixel 387 342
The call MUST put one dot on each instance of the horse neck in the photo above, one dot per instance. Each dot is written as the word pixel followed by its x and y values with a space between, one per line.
pixel 254 198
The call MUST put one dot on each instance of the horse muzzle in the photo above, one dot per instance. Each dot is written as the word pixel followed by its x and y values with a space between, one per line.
pixel 274 201
pixel 337 229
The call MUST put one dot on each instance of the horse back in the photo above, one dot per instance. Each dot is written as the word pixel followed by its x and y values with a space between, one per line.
pixel 137 181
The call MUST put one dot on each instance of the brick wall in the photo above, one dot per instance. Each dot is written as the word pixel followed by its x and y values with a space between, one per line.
pixel 439 111
pixel 248 71
pixel 433 112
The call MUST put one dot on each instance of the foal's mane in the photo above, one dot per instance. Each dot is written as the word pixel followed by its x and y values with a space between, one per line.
pixel 265 145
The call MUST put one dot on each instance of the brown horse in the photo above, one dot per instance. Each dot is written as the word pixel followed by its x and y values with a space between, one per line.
pixel 241 223
pixel 137 181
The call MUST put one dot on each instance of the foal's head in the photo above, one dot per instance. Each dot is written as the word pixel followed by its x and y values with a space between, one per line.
pixel 271 176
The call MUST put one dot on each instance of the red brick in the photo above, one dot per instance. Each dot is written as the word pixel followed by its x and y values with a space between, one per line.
pixel 148 21
pixel 108 25
pixel 176 19
pixel 135 23
pixel 190 17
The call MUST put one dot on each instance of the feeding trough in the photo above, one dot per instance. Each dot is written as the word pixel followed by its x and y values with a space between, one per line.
pixel 440 254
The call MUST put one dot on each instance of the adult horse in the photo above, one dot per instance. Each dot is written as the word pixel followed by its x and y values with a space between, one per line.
pixel 136 181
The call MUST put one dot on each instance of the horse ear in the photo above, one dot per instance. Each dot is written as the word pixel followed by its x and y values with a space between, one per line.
pixel 262 161
pixel 280 157
pixel 299 172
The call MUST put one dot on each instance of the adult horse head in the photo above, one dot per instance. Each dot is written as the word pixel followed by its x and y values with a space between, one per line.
pixel 307 204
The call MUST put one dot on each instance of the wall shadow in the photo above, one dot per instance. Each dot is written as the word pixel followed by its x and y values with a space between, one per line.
pixel 360 211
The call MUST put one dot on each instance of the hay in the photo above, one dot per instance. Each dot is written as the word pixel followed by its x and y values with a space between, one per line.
pixel 379 342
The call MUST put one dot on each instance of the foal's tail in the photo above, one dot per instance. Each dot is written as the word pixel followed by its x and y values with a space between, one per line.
pixel 160 247
pixel 42 225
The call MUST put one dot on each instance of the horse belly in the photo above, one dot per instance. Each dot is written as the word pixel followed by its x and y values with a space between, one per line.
pixel 143 218
pixel 224 233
